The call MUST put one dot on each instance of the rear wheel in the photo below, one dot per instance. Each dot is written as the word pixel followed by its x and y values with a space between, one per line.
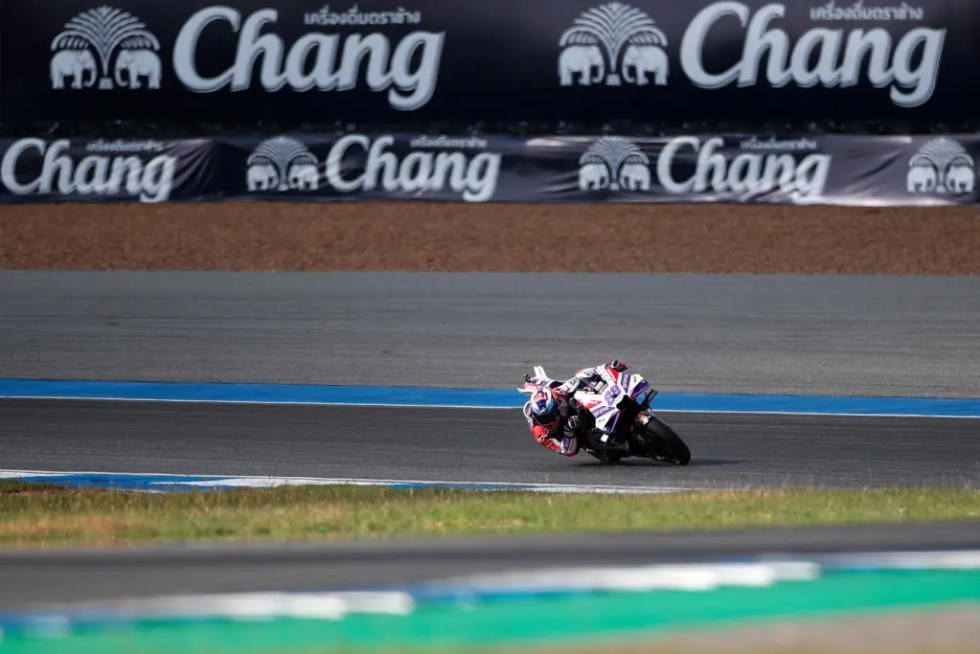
pixel 605 456
pixel 663 443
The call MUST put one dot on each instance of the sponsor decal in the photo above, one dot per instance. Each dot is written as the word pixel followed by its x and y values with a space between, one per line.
pixel 611 44
pixel 821 56
pixel 761 167
pixel 858 11
pixel 139 169
pixel 357 162
pixel 787 166
pixel 354 16
pixel 407 67
pixel 105 48
pixel 281 164
pixel 615 43
pixel 941 166
pixel 614 163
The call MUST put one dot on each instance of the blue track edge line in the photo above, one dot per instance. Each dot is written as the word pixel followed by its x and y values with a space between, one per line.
pixel 420 396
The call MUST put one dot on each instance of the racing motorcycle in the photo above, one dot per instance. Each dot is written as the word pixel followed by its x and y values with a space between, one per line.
pixel 624 424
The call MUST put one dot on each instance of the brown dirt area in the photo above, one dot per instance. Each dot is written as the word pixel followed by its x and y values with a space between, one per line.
pixel 419 236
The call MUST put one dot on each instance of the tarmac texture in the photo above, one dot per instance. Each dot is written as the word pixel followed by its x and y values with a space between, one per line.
pixel 779 334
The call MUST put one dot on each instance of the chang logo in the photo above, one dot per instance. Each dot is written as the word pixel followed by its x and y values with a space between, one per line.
pixel 331 52
pixel 613 43
pixel 108 46
pixel 123 169
pixel 358 163
pixel 794 167
pixel 941 166
pixel 614 163
pixel 905 61
pixel 282 164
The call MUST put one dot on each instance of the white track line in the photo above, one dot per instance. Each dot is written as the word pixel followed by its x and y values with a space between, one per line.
pixel 383 405
pixel 245 481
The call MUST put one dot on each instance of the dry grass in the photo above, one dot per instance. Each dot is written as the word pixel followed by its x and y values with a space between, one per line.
pixel 34 515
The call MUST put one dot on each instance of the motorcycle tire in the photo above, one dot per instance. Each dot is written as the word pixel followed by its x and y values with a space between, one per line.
pixel 606 457
pixel 664 444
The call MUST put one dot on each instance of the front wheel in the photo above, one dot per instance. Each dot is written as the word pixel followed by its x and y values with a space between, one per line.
pixel 663 443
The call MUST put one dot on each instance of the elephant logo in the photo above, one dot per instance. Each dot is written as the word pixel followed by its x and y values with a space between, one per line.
pixel 941 166
pixel 614 163
pixel 282 164
pixel 137 64
pixel 85 50
pixel 613 43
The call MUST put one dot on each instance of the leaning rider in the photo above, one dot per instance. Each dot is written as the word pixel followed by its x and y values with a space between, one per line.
pixel 556 420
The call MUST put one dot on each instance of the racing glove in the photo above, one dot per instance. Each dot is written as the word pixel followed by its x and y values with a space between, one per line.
pixel 581 422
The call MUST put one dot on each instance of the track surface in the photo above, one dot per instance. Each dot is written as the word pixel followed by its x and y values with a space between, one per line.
pixel 30 579
pixel 690 333
pixel 852 335
pixel 474 445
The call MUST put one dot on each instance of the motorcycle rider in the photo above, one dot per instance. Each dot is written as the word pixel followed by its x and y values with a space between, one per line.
pixel 555 419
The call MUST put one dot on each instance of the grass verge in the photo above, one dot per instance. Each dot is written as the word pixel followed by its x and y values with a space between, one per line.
pixel 34 515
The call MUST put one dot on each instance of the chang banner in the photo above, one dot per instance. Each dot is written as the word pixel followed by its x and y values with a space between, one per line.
pixel 793 169
pixel 741 168
pixel 377 62
pixel 380 166
pixel 686 168
pixel 103 170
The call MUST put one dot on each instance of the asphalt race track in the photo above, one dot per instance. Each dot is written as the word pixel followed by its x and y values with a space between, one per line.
pixel 874 335
pixel 489 445
pixel 848 335
pixel 35 579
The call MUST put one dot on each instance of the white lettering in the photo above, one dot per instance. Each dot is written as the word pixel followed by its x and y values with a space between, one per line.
pixel 421 83
pixel 692 45
pixel 91 175
pixel 820 56
pixel 54 163
pixel 666 160
pixel 417 171
pixel 921 79
pixel 747 173
pixel 185 49
pixel 758 40
pixel 8 170
pixel 312 61
pixel 320 76
pixel 335 160
pixel 826 43
pixel 378 158
pixel 251 46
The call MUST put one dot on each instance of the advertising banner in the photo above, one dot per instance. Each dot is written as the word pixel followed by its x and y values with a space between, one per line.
pixel 378 62
pixel 101 170
pixel 738 168
pixel 794 169
pixel 376 167
pixel 797 169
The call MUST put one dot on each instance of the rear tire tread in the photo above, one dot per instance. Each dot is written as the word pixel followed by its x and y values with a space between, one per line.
pixel 665 443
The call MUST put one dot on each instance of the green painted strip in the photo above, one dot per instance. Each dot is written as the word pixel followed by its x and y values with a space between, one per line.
pixel 516 621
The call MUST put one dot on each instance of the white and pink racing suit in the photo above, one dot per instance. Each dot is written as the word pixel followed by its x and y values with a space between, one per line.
pixel 560 437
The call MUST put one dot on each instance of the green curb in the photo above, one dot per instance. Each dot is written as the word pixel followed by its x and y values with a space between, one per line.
pixel 506 622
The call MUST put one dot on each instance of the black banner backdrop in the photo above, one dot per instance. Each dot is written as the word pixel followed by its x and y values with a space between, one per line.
pixel 834 169
pixel 381 62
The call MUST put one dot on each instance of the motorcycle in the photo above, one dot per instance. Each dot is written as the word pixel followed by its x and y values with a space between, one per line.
pixel 624 424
